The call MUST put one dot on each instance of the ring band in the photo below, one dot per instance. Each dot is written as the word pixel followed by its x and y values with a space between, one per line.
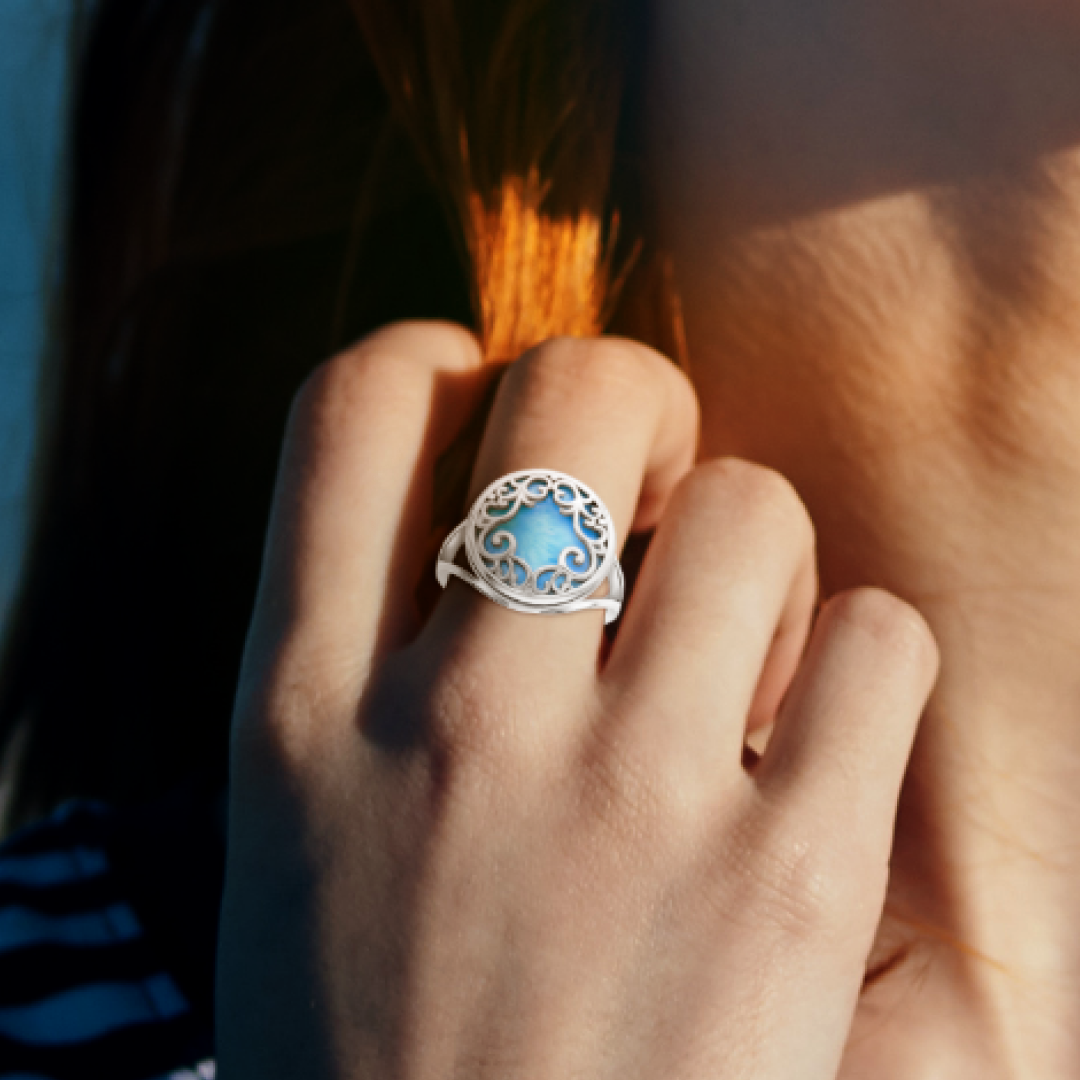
pixel 539 542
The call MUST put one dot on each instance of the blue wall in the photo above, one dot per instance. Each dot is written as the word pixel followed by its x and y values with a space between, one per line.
pixel 32 61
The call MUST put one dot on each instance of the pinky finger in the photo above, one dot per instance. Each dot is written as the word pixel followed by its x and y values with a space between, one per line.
pixel 844 733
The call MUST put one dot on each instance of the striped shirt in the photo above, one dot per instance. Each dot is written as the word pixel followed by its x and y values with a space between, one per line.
pixel 107 936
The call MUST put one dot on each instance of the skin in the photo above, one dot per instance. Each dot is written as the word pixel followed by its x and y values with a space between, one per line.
pixel 472 850
pixel 874 211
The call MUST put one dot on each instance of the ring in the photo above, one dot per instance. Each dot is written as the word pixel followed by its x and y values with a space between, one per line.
pixel 539 542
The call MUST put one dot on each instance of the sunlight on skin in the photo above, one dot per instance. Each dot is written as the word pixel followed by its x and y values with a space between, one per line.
pixel 875 218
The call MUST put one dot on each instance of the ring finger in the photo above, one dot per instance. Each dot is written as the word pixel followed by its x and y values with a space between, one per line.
pixel 616 416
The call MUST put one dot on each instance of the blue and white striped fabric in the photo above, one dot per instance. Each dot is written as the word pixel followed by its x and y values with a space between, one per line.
pixel 83 990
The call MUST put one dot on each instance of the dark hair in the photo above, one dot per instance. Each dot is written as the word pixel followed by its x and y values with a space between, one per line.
pixel 244 198
pixel 218 162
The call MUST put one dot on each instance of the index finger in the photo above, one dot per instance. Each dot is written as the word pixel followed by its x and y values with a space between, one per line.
pixel 353 501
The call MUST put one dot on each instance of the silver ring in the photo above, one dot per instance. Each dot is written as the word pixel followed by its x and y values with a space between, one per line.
pixel 539 542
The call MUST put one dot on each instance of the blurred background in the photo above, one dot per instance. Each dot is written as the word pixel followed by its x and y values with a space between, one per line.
pixel 33 40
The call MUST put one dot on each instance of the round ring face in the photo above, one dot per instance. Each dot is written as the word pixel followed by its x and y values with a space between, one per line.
pixel 540 537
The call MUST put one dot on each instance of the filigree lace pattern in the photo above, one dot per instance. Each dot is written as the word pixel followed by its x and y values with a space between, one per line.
pixel 497 547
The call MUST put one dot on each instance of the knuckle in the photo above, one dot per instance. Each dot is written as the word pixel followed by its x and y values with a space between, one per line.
pixel 753 494
pixel 754 524
pixel 276 725
pixel 397 359
pixel 566 370
pixel 426 338
pixel 804 882
pixel 894 624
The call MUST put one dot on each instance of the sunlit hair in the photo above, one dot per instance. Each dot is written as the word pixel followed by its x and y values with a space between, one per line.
pixel 537 276
pixel 514 108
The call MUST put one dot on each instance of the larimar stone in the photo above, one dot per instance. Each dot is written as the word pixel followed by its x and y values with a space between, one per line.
pixel 543 534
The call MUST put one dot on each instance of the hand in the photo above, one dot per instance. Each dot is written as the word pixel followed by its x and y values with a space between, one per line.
pixel 468 850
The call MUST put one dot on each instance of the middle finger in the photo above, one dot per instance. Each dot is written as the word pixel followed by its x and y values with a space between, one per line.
pixel 611 413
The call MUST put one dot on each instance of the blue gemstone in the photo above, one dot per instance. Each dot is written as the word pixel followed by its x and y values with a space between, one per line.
pixel 542 533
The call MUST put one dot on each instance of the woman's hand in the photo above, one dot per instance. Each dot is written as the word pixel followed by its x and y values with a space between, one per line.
pixel 470 852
